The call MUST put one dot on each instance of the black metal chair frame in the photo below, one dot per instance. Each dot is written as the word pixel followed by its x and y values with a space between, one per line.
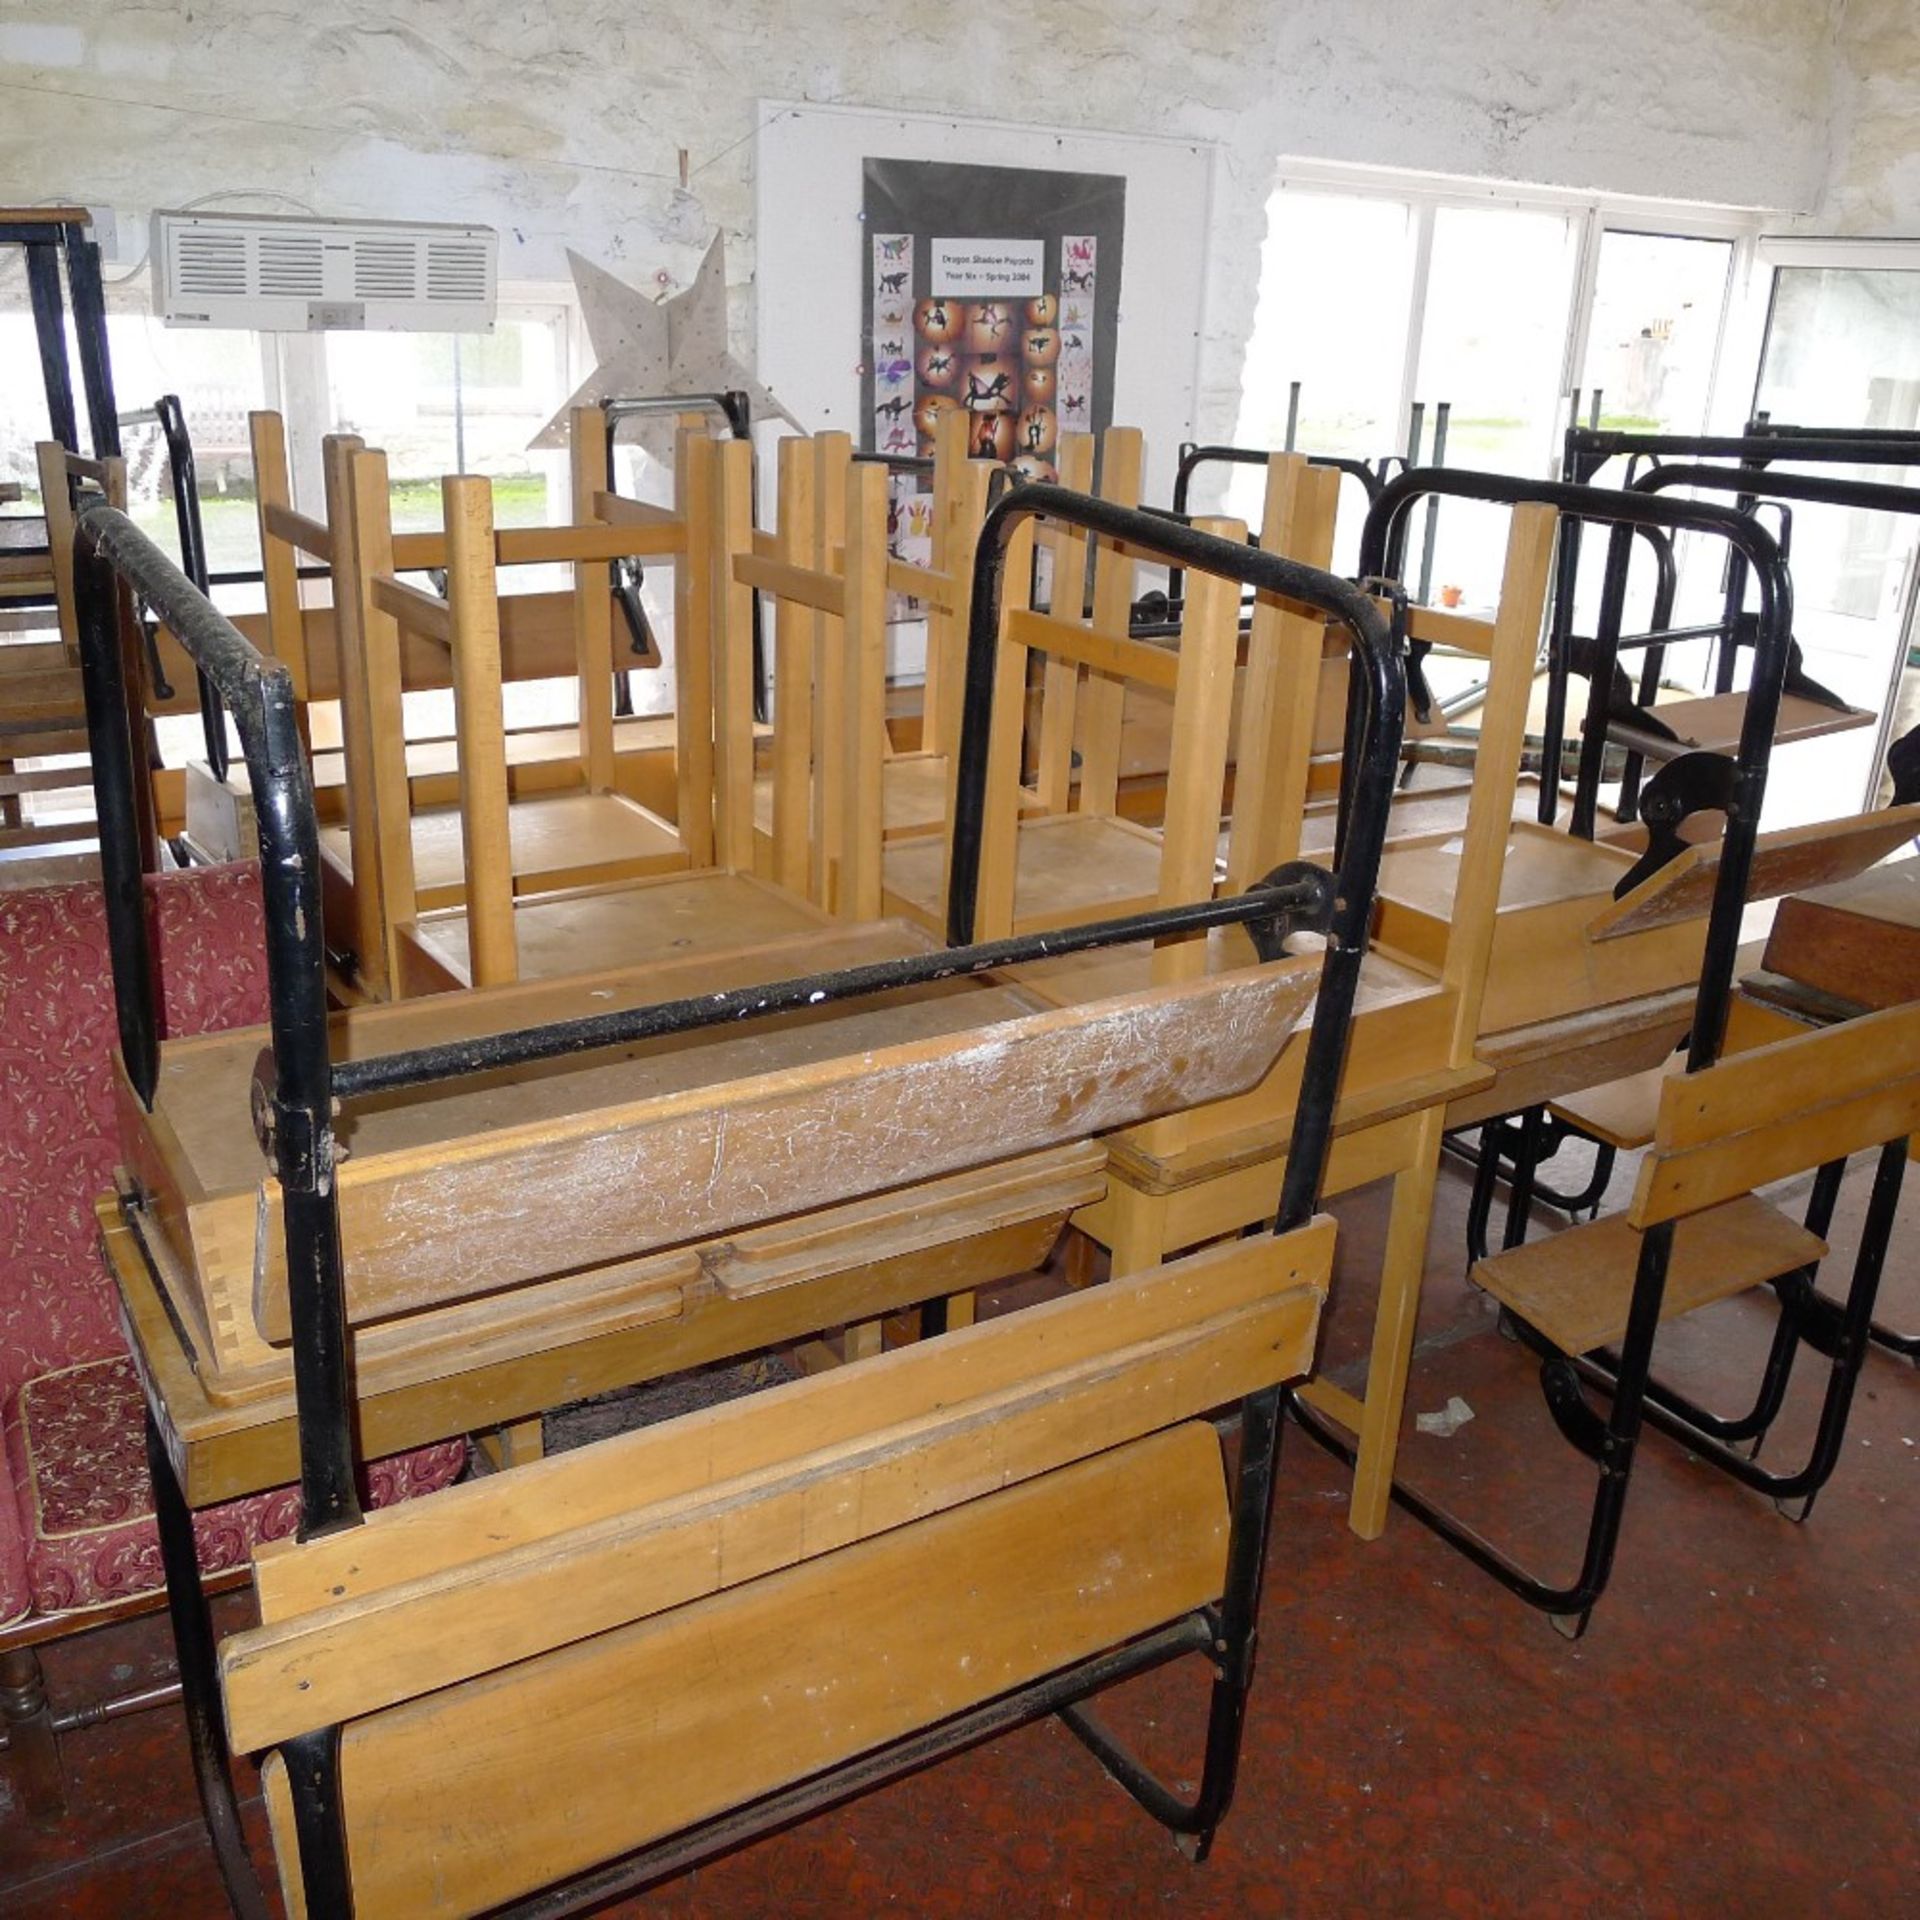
pixel 1588 449
pixel 1625 1379
pixel 297 1086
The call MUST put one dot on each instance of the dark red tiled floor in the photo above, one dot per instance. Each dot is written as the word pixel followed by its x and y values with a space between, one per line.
pixel 1738 1736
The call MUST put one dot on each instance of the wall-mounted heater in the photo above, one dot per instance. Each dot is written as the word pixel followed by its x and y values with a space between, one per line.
pixel 292 275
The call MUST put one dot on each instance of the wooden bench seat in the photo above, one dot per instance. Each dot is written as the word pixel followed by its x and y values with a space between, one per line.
pixel 1712 723
pixel 1576 1286
pixel 760 1574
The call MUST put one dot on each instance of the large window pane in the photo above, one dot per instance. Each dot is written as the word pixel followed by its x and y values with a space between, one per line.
pixel 440 403
pixel 1342 335
pixel 1843 350
pixel 1492 347
pixel 1657 304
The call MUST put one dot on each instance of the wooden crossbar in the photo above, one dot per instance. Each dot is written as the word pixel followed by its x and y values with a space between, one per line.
pixel 823 592
pixel 298 530
pixel 416 610
pixel 1156 667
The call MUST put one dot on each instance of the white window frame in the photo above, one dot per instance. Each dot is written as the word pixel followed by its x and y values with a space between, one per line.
pixel 1596 214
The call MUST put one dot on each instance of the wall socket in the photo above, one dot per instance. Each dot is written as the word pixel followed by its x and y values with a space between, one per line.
pixel 106 233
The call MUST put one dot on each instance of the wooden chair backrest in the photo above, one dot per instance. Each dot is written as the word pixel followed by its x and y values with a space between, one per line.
pixel 830 1510
pixel 1779 1110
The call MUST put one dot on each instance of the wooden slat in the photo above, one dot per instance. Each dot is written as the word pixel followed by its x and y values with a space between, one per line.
pixel 469 1216
pixel 1103 701
pixel 416 609
pixel 474 635
pixel 1781 1109
pixel 696 801
pixel 369 554
pixel 663 1516
pixel 864 728
pixel 57 507
pixel 833 461
pixel 770 1682
pixel 1463 632
pixel 338 453
pixel 934 590
pixel 299 530
pixel 617 510
pixel 587 459
pixel 1789 860
pixel 286 630
pixel 1284 675
pixel 733 657
pixel 1060 683
pixel 802 586
pixel 1576 1286
pixel 793 671
pixel 1132 660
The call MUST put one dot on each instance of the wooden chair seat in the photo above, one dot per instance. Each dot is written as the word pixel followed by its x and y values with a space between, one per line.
pixel 1575 1287
pixel 637 923
pixel 558 840
pixel 1713 721
pixel 1071 867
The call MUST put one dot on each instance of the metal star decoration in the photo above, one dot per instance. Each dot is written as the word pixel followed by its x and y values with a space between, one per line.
pixel 645 346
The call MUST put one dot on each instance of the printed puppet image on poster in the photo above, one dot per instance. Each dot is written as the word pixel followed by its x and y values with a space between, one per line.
pixel 993 291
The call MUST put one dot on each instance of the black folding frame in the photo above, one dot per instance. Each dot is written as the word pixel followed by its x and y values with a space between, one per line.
pixel 1588 449
pixel 298 1085
pixel 1737 788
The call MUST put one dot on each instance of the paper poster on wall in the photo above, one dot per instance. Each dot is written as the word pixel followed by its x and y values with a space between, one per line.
pixel 994 291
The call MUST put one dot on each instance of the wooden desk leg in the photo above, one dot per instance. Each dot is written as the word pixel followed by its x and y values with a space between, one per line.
pixel 512 1446
pixel 1401 1272
pixel 863 1341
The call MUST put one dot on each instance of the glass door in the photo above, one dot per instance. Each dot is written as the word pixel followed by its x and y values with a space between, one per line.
pixel 1842 349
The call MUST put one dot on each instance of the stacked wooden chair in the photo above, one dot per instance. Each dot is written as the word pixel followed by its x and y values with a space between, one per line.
pixel 830 668
pixel 396 857
pixel 468 1201
pixel 1193 1177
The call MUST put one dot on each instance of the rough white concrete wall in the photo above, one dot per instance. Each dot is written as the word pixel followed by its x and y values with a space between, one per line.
pixel 1873 180
pixel 560 121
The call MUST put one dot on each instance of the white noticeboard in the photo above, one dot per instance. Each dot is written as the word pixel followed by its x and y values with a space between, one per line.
pixel 811 259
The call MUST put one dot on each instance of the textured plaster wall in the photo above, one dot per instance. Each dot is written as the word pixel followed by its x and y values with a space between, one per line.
pixel 560 121
pixel 1873 184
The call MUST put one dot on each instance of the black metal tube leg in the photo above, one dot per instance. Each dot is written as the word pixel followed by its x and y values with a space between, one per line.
pixel 313 1782
pixel 199 1683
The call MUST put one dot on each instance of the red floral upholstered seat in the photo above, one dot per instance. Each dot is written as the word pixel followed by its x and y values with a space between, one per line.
pixel 76 1526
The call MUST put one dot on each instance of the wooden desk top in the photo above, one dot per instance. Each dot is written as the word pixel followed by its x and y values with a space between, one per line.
pixel 750 1290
